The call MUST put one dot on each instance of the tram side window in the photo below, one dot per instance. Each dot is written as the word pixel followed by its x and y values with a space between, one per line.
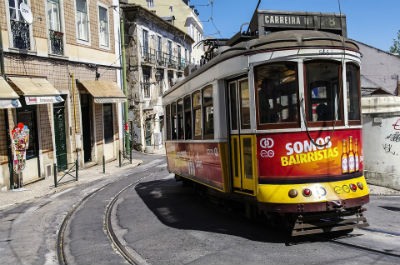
pixel 322 81
pixel 233 105
pixel 277 93
pixel 188 117
pixel 174 124
pixel 168 121
pixel 208 112
pixel 244 104
pixel 197 115
pixel 180 119
pixel 353 91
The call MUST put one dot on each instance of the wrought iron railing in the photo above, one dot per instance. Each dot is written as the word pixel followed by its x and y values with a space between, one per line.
pixel 20 35
pixel 56 42
pixel 153 56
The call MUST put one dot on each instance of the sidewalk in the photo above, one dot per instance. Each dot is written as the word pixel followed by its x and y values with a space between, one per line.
pixel 46 186
pixel 378 190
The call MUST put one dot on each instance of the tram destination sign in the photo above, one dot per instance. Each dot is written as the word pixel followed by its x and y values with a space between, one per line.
pixel 276 20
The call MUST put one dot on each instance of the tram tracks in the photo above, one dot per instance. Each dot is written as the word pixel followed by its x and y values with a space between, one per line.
pixel 61 233
pixel 127 253
pixel 130 255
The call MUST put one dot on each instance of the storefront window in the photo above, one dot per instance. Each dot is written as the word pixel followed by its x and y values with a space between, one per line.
pixel 27 115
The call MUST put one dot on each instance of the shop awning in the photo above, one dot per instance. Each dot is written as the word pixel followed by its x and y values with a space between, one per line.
pixel 104 91
pixel 36 90
pixel 8 97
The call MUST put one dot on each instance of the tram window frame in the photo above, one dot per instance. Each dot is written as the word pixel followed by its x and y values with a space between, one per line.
pixel 325 102
pixel 278 83
pixel 187 116
pixel 197 115
pixel 174 128
pixel 179 116
pixel 233 102
pixel 168 122
pixel 245 120
pixel 208 112
pixel 353 93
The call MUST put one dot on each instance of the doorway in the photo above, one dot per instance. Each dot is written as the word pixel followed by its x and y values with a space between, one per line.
pixel 243 153
pixel 87 124
pixel 60 137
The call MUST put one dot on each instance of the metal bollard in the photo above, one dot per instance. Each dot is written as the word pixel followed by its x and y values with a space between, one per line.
pixel 55 174
pixel 76 169
pixel 130 156
pixel 119 158
pixel 104 164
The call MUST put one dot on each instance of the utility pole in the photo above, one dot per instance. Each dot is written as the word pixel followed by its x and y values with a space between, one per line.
pixel 124 85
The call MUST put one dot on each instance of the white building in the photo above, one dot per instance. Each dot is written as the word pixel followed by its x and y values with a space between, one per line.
pixel 157 53
pixel 183 16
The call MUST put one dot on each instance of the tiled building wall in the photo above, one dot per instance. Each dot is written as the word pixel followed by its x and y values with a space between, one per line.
pixel 39 19
pixel 98 110
pixel 45 120
pixel 40 29
pixel 99 130
pixel 115 111
pixel 70 23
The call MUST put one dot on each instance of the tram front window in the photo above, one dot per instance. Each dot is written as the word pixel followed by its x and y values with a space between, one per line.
pixel 353 95
pixel 277 93
pixel 322 88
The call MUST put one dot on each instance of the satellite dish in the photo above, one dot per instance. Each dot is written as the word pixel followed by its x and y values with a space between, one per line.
pixel 26 13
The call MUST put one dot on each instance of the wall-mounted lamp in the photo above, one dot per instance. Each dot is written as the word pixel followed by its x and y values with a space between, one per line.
pixel 97 73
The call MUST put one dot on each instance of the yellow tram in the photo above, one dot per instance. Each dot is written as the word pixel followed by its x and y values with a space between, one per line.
pixel 273 119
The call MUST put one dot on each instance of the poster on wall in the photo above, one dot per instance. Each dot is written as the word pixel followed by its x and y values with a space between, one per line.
pixel 19 145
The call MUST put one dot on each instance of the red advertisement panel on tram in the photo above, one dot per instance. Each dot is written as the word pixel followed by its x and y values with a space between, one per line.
pixel 296 155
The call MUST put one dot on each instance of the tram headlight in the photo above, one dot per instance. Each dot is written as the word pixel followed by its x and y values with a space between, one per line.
pixel 353 187
pixel 307 192
pixel 360 185
pixel 293 193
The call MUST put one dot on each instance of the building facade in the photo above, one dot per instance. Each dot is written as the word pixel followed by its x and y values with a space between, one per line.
pixel 157 53
pixel 183 16
pixel 381 116
pixel 61 59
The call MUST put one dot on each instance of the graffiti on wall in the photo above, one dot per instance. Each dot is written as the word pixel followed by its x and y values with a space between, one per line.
pixel 392 138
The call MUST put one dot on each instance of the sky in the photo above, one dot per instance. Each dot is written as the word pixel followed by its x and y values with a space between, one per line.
pixel 373 22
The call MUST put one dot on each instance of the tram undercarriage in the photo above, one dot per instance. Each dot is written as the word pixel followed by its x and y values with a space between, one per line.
pixel 327 222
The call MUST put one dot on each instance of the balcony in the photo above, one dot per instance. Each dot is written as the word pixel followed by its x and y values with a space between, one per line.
pixel 56 42
pixel 20 35
pixel 148 55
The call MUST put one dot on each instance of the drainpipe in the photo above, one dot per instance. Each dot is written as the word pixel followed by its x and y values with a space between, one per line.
pixel 3 73
pixel 124 86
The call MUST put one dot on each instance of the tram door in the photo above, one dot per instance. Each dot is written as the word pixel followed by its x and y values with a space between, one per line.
pixel 242 145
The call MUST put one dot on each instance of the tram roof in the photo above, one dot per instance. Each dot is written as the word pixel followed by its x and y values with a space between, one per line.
pixel 281 40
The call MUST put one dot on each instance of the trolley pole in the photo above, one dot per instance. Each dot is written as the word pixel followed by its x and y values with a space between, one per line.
pixel 124 85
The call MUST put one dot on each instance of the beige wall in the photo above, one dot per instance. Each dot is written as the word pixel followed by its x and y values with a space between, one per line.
pixel 78 60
